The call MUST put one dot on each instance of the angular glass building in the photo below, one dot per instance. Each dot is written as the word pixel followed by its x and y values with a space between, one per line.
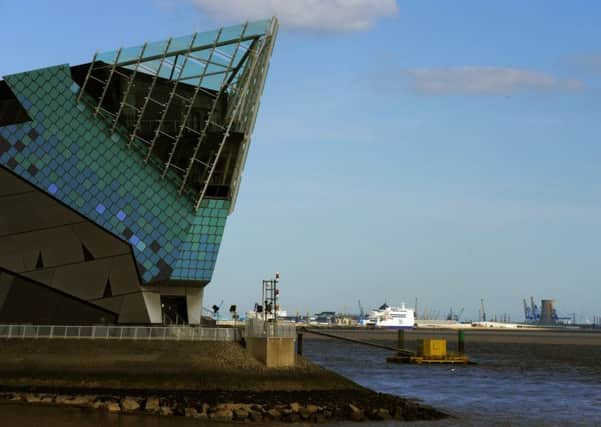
pixel 117 176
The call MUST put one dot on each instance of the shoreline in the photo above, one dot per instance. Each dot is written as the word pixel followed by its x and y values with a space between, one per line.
pixel 318 406
pixel 476 335
pixel 208 380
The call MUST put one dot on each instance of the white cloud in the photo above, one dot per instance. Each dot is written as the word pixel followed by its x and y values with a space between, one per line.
pixel 323 15
pixel 484 80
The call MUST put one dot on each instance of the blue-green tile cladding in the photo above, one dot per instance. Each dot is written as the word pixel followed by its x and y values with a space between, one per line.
pixel 71 155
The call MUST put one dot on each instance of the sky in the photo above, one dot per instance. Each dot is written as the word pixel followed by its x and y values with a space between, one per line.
pixel 445 151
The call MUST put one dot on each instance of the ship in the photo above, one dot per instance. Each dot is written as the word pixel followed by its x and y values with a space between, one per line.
pixel 390 317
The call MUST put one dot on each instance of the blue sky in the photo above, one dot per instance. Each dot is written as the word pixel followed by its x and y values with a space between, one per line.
pixel 442 150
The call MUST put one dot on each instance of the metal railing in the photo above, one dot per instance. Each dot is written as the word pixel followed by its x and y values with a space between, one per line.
pixel 259 328
pixel 176 333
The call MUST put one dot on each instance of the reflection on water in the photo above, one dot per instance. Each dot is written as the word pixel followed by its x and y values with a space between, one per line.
pixel 541 385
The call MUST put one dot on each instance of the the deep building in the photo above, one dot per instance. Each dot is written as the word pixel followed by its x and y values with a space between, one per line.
pixel 117 176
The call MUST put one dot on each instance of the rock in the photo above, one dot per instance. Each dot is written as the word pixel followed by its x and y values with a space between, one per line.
pixel 152 404
pixel 47 399
pixel 304 413
pixel 165 410
pixel 398 413
pixel 113 407
pixel 313 408
pixel 191 412
pixel 223 415
pixel 74 400
pixel 355 414
pixel 319 418
pixel 293 418
pixel 129 404
pixel 256 416
pixel 98 404
pixel 241 413
pixel 295 406
pixel 61 399
pixel 382 414
pixel 32 398
pixel 274 414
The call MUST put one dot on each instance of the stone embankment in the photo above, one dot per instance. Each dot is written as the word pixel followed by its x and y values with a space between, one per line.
pixel 316 407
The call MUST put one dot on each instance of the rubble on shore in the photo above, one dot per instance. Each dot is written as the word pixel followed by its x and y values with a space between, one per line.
pixel 313 407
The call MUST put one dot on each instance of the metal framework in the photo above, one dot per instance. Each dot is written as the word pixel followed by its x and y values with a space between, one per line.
pixel 228 67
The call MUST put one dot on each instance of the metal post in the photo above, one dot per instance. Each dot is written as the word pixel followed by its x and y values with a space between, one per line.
pixel 149 93
pixel 108 83
pixel 226 133
pixel 263 302
pixel 299 343
pixel 460 342
pixel 171 95
pixel 401 339
pixel 129 86
pixel 85 82
pixel 253 115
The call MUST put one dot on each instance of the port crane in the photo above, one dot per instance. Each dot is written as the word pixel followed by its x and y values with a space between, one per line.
pixel 455 316
pixel 482 311
pixel 361 311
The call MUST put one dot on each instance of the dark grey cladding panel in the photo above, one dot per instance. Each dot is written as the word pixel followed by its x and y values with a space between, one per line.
pixel 39 234
pixel 10 184
pixel 134 309
pixel 113 304
pixel 54 245
pixel 28 301
pixel 100 243
pixel 83 280
pixel 32 211
pixel 11 260
pixel 58 246
pixel 123 276
pixel 87 280
pixel 5 283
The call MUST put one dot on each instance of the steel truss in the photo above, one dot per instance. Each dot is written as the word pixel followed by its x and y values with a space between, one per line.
pixel 241 71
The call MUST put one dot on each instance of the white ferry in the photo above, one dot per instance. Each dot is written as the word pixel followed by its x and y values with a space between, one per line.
pixel 390 317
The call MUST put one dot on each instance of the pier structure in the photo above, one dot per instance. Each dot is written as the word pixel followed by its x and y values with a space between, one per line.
pixel 117 176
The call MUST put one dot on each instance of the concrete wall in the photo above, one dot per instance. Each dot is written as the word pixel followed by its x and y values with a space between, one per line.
pixel 151 365
pixel 272 352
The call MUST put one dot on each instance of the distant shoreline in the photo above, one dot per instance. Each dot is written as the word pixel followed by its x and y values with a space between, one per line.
pixel 483 335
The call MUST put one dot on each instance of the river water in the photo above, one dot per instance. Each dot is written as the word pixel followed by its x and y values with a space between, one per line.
pixel 512 385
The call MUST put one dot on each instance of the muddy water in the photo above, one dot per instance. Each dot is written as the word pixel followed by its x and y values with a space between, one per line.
pixel 513 385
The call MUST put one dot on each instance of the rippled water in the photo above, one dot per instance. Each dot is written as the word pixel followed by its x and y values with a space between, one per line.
pixel 513 385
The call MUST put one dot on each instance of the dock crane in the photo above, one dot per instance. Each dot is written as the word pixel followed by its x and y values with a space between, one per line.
pixel 455 316
pixel 482 311
pixel 362 317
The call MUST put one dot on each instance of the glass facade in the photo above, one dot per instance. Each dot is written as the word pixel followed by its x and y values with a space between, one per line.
pixel 147 142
